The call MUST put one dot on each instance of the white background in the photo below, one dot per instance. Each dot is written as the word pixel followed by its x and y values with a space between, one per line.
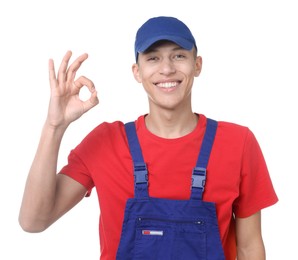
pixel 249 76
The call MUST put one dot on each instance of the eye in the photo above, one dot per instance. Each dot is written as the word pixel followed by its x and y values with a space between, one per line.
pixel 179 56
pixel 152 58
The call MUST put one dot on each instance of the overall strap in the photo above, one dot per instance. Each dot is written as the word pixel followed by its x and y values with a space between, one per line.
pixel 199 172
pixel 140 168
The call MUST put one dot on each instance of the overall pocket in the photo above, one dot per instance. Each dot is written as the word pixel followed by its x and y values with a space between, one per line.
pixel 170 239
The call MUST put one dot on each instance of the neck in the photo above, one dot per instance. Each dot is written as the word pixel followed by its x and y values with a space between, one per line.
pixel 170 124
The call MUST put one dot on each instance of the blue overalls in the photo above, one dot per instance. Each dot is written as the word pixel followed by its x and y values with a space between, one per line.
pixel 163 229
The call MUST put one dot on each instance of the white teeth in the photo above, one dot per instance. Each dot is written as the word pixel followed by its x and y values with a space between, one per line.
pixel 167 85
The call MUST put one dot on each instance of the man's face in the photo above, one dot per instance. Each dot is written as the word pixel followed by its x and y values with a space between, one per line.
pixel 167 73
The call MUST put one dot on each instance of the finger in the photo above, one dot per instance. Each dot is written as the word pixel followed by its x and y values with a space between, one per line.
pixel 83 81
pixel 63 67
pixel 52 74
pixel 71 72
pixel 91 102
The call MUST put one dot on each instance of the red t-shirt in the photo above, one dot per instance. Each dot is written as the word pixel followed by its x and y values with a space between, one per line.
pixel 237 177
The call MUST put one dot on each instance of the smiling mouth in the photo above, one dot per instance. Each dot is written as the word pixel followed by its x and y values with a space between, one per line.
pixel 167 85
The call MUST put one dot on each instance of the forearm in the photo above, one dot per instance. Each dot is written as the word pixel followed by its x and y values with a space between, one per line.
pixel 39 194
pixel 250 245
pixel 256 253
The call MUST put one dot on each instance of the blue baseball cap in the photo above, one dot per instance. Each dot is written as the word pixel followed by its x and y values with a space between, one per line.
pixel 163 28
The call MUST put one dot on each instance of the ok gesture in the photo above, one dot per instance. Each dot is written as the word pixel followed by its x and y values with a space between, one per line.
pixel 65 104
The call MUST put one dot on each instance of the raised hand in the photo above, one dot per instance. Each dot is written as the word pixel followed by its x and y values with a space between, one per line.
pixel 65 104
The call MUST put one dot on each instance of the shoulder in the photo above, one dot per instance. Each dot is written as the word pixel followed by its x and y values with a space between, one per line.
pixel 230 129
pixel 110 128
pixel 236 131
pixel 103 135
pixel 107 129
pixel 107 133
pixel 233 134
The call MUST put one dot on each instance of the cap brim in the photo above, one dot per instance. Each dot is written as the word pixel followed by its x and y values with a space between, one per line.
pixel 182 42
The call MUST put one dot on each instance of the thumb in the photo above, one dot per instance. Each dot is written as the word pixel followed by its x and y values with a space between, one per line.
pixel 91 102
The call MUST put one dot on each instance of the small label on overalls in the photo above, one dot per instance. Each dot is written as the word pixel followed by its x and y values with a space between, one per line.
pixel 152 232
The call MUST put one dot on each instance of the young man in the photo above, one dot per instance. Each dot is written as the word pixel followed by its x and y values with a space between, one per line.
pixel 195 187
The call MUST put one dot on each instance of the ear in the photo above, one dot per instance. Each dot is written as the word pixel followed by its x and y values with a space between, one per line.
pixel 198 66
pixel 136 72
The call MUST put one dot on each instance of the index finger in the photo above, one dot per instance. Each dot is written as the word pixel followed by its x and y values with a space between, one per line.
pixel 71 72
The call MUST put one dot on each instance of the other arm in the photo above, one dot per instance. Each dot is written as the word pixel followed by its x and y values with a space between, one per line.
pixel 250 244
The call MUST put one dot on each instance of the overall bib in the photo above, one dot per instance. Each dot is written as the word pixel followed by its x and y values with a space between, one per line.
pixel 163 229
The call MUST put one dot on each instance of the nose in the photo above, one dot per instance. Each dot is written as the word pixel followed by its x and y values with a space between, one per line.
pixel 167 67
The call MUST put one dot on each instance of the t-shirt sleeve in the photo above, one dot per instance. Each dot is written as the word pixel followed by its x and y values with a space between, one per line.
pixel 76 169
pixel 256 188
